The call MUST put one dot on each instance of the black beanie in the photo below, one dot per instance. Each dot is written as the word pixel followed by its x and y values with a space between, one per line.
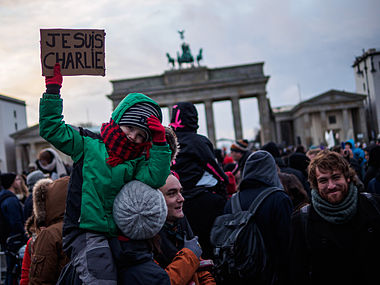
pixel 7 179
pixel 137 116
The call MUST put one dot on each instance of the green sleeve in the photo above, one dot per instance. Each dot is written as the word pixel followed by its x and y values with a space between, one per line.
pixel 156 169
pixel 55 131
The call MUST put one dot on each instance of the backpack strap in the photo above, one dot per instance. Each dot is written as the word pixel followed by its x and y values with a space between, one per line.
pixel 372 200
pixel 235 203
pixel 261 197
pixel 304 214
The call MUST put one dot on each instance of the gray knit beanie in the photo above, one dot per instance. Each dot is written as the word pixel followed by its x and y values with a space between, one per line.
pixel 33 177
pixel 138 114
pixel 139 210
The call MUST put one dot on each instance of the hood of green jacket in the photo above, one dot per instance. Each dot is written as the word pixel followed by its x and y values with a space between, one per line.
pixel 130 100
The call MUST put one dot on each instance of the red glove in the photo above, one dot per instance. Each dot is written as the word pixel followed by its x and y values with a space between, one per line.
pixel 231 186
pixel 56 78
pixel 157 130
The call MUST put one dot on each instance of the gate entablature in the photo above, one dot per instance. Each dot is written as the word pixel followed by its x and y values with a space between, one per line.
pixel 204 85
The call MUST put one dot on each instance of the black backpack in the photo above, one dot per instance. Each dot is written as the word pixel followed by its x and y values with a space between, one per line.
pixel 239 248
pixel 4 226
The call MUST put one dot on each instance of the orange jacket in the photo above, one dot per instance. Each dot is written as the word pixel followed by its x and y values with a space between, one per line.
pixel 183 270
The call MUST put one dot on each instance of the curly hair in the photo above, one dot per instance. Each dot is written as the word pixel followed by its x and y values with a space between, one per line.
pixel 327 160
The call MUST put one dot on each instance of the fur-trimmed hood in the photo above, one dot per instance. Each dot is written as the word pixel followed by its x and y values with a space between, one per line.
pixel 171 139
pixel 49 201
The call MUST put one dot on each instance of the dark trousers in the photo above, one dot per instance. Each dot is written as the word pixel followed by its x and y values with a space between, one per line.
pixel 91 257
pixel 201 207
pixel 10 276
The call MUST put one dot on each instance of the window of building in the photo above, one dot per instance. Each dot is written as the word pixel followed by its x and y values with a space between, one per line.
pixel 332 120
pixel 16 127
pixel 363 86
pixel 14 114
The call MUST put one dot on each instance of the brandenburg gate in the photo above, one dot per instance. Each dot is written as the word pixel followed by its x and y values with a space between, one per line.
pixel 204 85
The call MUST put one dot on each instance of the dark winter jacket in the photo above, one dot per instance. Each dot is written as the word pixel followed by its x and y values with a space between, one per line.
pixel 273 216
pixel 12 215
pixel 374 185
pixel 136 265
pixel 28 207
pixel 336 254
pixel 196 153
pixel 48 258
pixel 370 174
pixel 201 207
pixel 373 165
pixel 95 184
pixel 171 245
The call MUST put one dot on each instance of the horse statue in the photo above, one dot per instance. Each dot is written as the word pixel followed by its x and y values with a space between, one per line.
pixel 170 60
pixel 186 56
pixel 199 56
pixel 181 32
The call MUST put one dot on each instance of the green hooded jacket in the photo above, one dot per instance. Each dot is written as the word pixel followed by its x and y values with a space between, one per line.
pixel 101 182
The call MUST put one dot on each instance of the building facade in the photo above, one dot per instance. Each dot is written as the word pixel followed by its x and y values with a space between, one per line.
pixel 12 119
pixel 306 123
pixel 367 80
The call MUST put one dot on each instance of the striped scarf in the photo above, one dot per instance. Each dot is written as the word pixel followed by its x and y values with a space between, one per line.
pixel 119 148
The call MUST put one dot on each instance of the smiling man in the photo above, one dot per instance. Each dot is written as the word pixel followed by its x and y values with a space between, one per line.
pixel 335 240
pixel 177 241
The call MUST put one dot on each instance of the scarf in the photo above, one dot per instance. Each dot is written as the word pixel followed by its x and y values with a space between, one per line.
pixel 174 230
pixel 336 213
pixel 119 148
pixel 56 165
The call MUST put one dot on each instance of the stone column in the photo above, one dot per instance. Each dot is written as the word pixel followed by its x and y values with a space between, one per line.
pixel 323 120
pixel 345 125
pixel 170 108
pixel 210 121
pixel 32 153
pixel 19 158
pixel 306 138
pixel 237 118
pixel 362 124
pixel 278 132
pixel 265 121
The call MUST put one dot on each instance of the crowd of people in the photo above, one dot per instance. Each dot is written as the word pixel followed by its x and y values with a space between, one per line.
pixel 139 204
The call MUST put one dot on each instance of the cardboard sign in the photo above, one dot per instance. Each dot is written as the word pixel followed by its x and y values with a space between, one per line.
pixel 79 52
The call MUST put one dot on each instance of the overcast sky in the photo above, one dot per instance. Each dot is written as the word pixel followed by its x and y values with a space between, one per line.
pixel 308 47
